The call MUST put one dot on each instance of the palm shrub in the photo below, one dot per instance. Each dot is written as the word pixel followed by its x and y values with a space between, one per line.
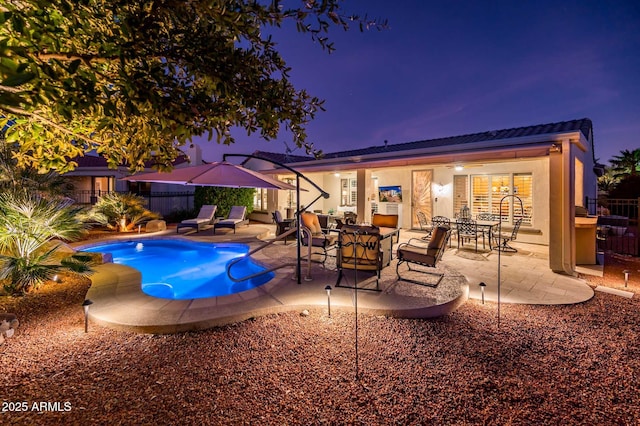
pixel 121 212
pixel 28 224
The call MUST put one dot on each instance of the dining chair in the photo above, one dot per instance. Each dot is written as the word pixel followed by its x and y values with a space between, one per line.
pixel 488 232
pixel 444 221
pixel 467 229
pixel 502 240
pixel 424 223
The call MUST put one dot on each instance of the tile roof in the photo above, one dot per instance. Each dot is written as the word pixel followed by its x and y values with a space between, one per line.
pixel 583 125
pixel 283 158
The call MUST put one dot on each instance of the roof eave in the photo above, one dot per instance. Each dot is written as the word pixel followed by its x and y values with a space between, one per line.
pixel 527 146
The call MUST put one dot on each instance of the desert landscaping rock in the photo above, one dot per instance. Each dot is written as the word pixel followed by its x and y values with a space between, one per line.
pixel 569 365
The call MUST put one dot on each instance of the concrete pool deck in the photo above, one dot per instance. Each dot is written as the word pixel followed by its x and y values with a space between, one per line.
pixel 119 302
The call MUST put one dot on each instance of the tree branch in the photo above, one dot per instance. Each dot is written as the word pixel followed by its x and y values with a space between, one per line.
pixel 9 89
pixel 24 113
pixel 87 59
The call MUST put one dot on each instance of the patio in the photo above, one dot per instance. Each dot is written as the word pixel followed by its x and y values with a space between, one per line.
pixel 119 302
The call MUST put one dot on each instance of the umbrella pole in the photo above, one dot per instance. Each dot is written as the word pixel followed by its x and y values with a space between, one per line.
pixel 298 248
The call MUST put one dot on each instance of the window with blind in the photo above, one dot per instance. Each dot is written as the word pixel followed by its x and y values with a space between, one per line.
pixel 349 192
pixel 260 199
pixel 488 191
pixel 460 192
pixel 523 188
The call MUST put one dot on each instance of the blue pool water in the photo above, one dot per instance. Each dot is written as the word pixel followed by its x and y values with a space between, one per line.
pixel 173 269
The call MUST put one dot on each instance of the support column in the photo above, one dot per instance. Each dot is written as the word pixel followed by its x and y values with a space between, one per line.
pixel 561 209
pixel 364 187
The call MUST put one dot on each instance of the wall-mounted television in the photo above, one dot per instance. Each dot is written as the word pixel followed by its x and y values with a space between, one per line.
pixel 390 194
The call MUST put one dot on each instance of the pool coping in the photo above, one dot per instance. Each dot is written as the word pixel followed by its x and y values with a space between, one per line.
pixel 118 300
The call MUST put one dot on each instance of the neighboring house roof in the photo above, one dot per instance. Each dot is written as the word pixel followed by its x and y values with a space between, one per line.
pixel 533 138
pixel 98 161
pixel 283 158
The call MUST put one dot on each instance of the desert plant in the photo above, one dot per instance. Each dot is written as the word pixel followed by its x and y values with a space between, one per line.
pixel 28 224
pixel 121 212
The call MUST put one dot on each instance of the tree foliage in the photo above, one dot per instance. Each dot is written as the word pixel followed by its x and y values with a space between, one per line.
pixel 135 80
pixel 628 187
pixel 16 178
pixel 626 164
pixel 608 181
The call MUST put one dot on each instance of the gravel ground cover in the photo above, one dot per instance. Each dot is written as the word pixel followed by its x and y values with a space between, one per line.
pixel 568 365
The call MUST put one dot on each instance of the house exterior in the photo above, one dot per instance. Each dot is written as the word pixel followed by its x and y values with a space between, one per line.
pixel 93 178
pixel 549 168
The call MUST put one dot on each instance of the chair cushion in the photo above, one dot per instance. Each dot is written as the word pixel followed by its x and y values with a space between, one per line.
pixel 229 221
pixel 237 213
pixel 416 254
pixel 310 220
pixel 437 238
pixel 385 220
pixel 207 212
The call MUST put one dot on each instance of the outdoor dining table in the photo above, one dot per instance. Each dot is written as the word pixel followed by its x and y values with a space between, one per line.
pixel 488 225
pixel 386 243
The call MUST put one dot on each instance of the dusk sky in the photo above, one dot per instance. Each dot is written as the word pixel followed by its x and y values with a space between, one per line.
pixel 447 68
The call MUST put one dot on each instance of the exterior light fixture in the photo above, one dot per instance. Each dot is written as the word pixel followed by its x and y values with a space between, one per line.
pixel 626 277
pixel 85 306
pixel 328 290
pixel 459 167
pixel 482 287
pixel 336 174
pixel 56 279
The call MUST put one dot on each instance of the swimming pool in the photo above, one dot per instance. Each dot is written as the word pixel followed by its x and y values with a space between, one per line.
pixel 180 270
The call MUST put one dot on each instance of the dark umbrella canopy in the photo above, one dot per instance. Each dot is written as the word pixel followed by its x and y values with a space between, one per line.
pixel 214 174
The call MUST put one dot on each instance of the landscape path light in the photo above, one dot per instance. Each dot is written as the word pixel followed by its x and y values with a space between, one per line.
pixel 328 290
pixel 626 277
pixel 482 287
pixel 85 306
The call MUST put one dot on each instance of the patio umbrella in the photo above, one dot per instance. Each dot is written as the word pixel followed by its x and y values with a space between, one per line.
pixel 214 174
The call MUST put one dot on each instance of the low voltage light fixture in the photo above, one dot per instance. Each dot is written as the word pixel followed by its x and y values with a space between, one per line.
pixel 85 306
pixel 626 277
pixel 482 287
pixel 328 290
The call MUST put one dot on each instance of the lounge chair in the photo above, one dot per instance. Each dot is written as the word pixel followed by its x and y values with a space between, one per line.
pixel 235 218
pixel 416 252
pixel 359 250
pixel 312 234
pixel 205 217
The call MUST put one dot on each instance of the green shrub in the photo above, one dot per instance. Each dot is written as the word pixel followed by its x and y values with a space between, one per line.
pixel 28 224
pixel 224 198
pixel 121 212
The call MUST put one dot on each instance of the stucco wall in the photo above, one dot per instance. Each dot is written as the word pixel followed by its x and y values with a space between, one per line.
pixel 442 188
